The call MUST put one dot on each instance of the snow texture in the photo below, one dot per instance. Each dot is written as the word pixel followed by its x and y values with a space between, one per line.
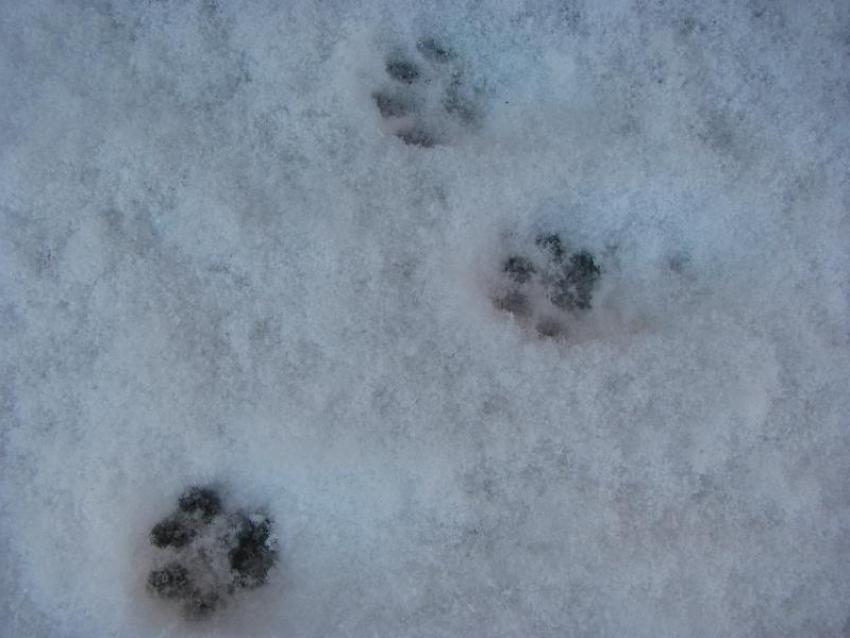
pixel 260 245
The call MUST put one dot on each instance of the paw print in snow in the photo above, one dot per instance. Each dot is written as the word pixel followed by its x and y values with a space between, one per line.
pixel 208 554
pixel 427 99
pixel 550 287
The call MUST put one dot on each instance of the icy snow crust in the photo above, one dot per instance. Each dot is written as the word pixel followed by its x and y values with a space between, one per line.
pixel 221 263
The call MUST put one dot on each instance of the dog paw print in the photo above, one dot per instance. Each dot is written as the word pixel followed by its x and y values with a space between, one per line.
pixel 426 98
pixel 208 554
pixel 549 287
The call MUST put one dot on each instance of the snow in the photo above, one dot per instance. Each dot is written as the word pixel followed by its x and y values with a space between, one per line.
pixel 219 264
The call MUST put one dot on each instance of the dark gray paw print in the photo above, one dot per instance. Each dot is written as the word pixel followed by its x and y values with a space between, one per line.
pixel 427 99
pixel 208 554
pixel 548 287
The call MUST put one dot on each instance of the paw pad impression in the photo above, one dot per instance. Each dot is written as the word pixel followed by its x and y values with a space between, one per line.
pixel 427 98
pixel 209 554
pixel 548 287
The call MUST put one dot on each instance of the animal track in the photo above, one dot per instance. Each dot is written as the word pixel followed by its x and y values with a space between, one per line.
pixel 548 288
pixel 209 554
pixel 427 99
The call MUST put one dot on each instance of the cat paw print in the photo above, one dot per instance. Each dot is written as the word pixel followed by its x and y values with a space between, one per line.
pixel 549 287
pixel 427 98
pixel 207 554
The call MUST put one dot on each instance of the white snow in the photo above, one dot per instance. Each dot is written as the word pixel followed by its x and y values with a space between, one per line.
pixel 218 264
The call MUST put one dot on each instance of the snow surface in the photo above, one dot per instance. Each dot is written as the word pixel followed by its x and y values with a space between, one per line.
pixel 218 264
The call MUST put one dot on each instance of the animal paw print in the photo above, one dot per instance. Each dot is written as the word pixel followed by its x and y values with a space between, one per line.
pixel 427 99
pixel 208 554
pixel 549 288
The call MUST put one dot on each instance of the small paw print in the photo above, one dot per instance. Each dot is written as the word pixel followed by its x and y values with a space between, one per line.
pixel 209 554
pixel 427 99
pixel 547 288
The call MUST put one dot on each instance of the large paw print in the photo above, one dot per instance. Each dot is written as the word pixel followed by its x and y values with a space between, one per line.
pixel 427 99
pixel 208 554
pixel 549 287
